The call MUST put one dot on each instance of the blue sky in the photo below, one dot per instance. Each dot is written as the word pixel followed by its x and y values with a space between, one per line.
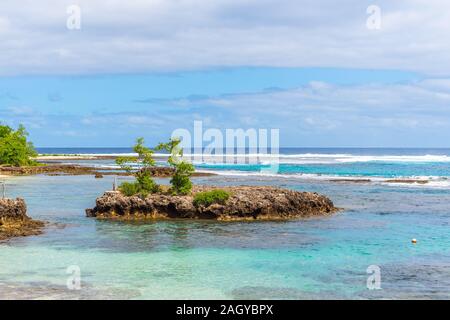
pixel 320 76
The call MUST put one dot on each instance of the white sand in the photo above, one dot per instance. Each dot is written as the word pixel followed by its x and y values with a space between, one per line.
pixel 66 157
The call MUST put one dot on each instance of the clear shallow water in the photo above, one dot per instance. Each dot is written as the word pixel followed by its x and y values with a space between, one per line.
pixel 312 259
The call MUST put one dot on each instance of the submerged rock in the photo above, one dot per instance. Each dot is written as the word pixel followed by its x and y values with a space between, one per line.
pixel 245 203
pixel 14 221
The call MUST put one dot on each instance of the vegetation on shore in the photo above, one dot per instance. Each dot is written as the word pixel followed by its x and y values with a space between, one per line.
pixel 144 184
pixel 208 198
pixel 15 149
pixel 181 182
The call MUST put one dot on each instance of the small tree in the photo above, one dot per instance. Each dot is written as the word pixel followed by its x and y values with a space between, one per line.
pixel 15 149
pixel 181 183
pixel 144 183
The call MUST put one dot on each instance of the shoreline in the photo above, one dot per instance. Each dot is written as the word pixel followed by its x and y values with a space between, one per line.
pixel 62 169
pixel 54 165
pixel 75 157
pixel 14 221
pixel 55 157
pixel 58 169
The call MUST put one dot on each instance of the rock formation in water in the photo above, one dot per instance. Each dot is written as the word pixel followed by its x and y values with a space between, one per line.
pixel 245 203
pixel 67 169
pixel 14 221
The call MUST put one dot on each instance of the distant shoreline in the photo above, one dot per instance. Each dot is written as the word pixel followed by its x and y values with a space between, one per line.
pixel 57 169
pixel 90 156
pixel 75 157
pixel 60 164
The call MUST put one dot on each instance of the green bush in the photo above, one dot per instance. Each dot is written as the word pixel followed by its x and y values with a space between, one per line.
pixel 142 187
pixel 209 197
pixel 181 182
pixel 129 188
pixel 144 183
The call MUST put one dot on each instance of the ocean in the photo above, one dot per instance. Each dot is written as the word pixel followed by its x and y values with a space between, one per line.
pixel 376 164
pixel 320 258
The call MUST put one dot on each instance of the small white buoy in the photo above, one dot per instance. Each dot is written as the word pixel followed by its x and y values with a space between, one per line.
pixel 414 241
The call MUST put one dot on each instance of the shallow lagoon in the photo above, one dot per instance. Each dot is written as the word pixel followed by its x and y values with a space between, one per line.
pixel 312 259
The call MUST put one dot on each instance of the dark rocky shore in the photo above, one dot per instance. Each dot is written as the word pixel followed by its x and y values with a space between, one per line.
pixel 56 169
pixel 14 221
pixel 245 203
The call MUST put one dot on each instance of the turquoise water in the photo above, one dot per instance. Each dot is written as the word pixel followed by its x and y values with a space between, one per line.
pixel 317 164
pixel 364 169
pixel 311 259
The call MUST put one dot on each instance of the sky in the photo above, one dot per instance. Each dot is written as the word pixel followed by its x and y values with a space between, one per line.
pixel 319 71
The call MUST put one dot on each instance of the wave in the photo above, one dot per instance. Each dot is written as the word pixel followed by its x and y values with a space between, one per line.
pixel 422 158
pixel 432 181
pixel 409 181
pixel 301 158
pixel 310 158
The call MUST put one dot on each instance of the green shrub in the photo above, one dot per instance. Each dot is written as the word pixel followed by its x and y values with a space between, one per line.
pixel 181 182
pixel 209 197
pixel 142 187
pixel 129 188
pixel 144 183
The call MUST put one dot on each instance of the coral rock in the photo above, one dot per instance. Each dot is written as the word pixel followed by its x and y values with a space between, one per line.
pixel 245 203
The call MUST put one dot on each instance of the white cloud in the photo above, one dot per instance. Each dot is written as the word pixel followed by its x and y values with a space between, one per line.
pixel 157 35
pixel 15 115
pixel 318 114
pixel 21 111
pixel 412 114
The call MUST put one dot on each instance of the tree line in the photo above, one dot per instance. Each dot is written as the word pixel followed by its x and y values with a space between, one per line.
pixel 15 149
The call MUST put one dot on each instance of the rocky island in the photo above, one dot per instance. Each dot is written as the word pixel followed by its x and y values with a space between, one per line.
pixel 144 199
pixel 14 221
pixel 243 203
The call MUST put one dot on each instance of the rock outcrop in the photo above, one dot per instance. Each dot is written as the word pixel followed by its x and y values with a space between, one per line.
pixel 14 221
pixel 245 203
pixel 15 209
pixel 54 169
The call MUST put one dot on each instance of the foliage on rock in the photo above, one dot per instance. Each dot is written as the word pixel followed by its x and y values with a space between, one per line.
pixel 181 182
pixel 144 183
pixel 208 198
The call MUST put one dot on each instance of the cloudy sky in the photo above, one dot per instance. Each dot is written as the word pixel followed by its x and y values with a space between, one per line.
pixel 324 72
